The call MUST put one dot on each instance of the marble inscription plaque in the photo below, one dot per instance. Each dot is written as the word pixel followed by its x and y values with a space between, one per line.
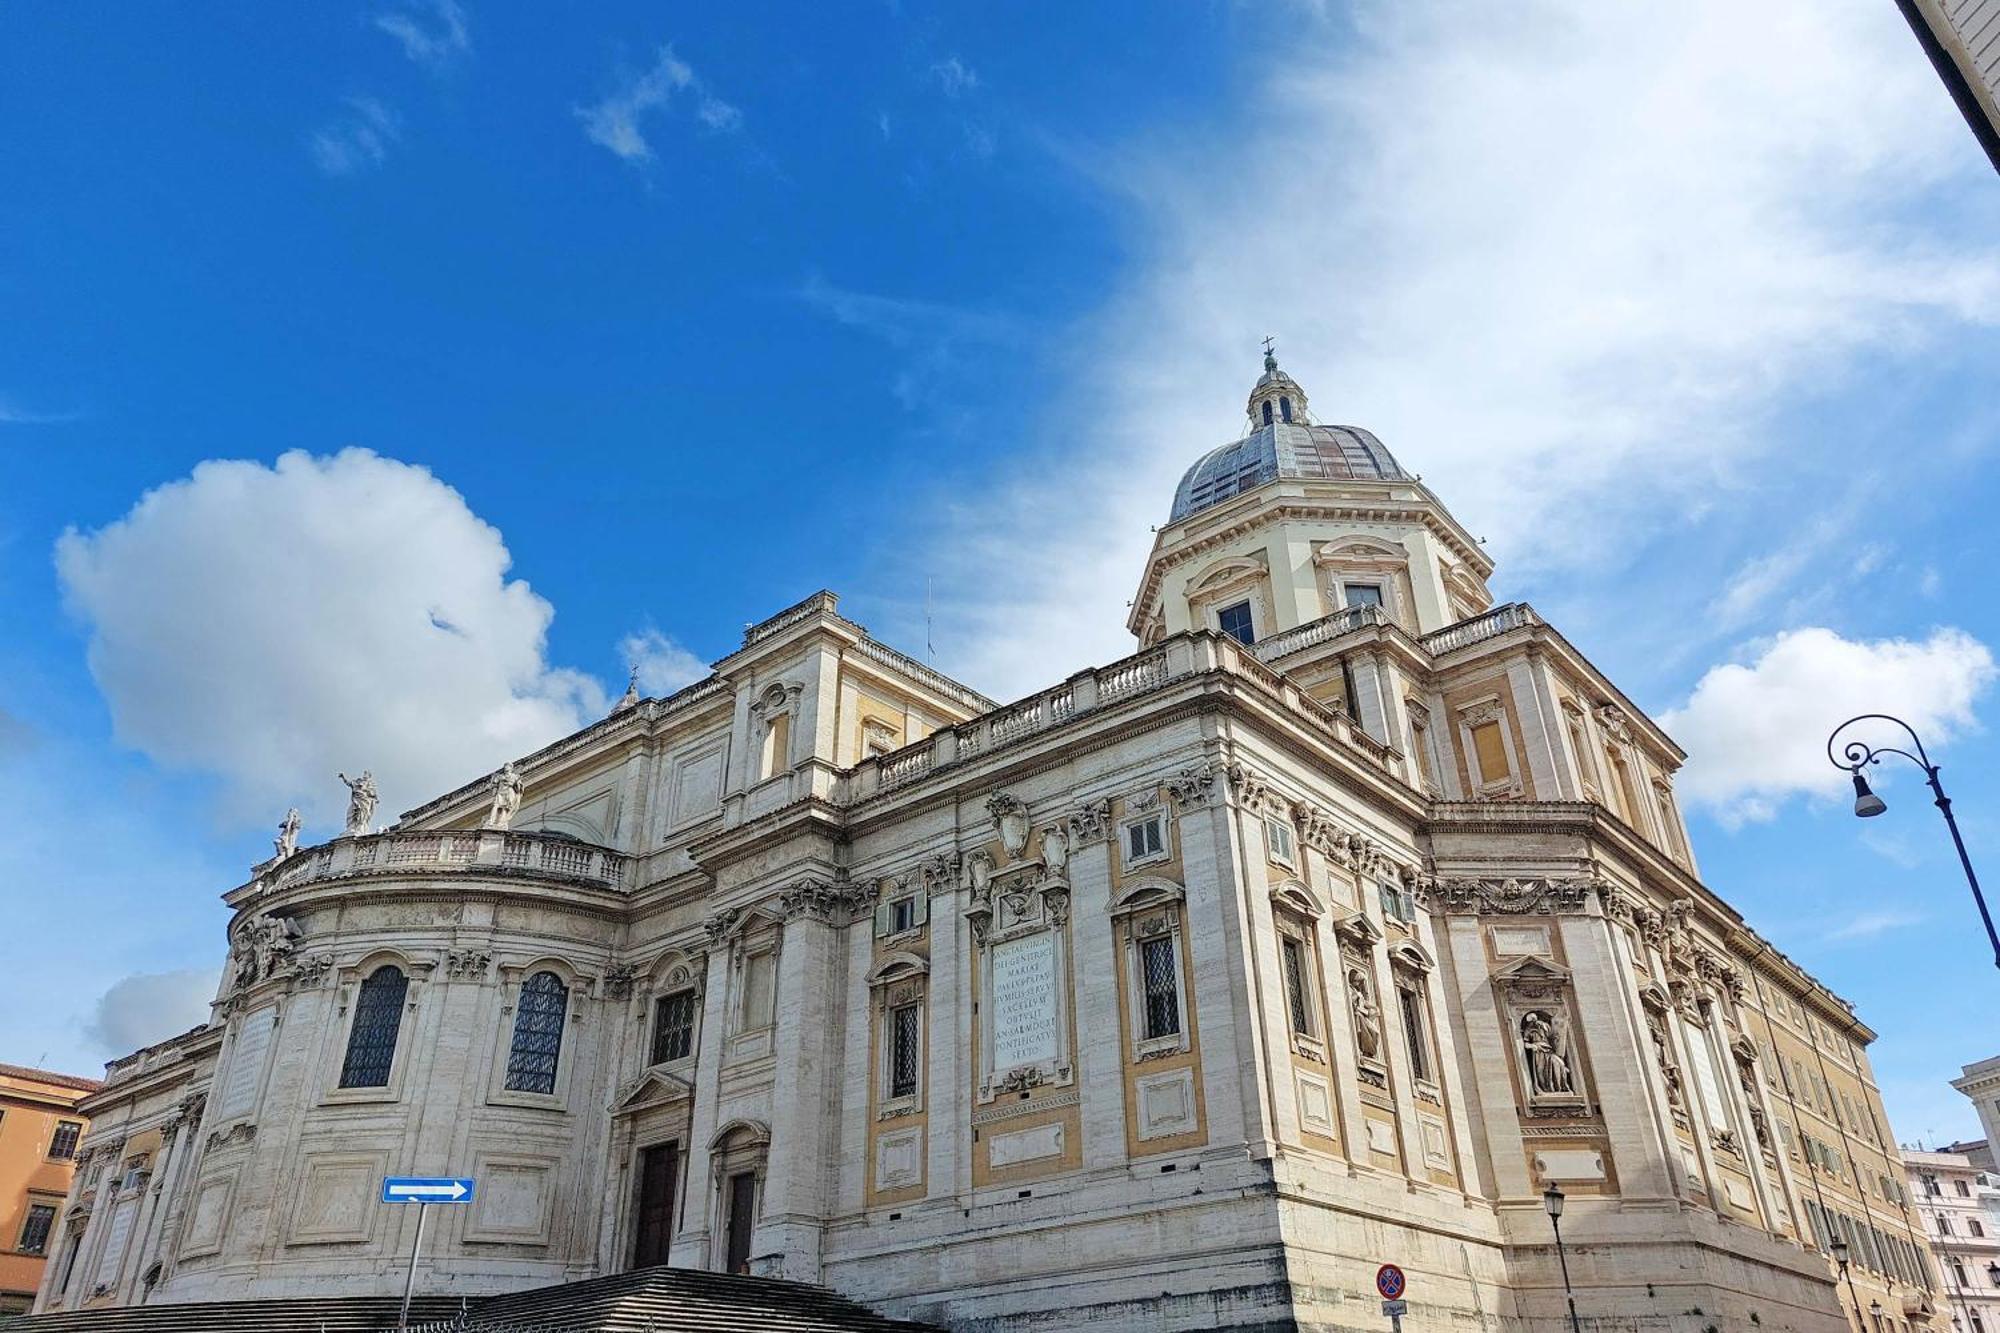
pixel 1024 1002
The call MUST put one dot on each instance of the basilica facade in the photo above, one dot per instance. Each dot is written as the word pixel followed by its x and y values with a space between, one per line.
pixel 1327 930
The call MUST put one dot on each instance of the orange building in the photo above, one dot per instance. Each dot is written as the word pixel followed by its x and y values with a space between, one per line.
pixel 39 1133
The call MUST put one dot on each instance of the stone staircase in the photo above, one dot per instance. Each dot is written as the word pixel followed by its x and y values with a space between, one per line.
pixel 647 1300
pixel 680 1300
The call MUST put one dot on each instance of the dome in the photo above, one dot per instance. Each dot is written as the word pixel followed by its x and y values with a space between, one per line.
pixel 1284 449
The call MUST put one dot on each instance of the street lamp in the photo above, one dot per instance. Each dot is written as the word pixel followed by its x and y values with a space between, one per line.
pixel 1856 754
pixel 1875 1312
pixel 1993 1272
pixel 1838 1249
pixel 1552 1199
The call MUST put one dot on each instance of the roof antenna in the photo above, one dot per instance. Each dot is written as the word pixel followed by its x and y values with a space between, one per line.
pixel 929 646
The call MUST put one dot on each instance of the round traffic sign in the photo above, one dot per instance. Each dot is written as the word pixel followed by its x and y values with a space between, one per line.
pixel 1389 1281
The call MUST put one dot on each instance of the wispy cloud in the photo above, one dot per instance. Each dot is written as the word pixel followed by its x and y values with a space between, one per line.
pixel 431 32
pixel 1867 925
pixel 1548 314
pixel 355 142
pixel 662 665
pixel 954 76
pixel 932 335
pixel 615 121
pixel 12 413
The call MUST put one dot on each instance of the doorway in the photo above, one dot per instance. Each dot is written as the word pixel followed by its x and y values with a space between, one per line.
pixel 742 1195
pixel 659 1173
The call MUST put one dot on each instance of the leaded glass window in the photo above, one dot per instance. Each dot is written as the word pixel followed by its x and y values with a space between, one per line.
pixel 905 1047
pixel 673 1027
pixel 538 1026
pixel 1295 986
pixel 1163 1001
pixel 378 1017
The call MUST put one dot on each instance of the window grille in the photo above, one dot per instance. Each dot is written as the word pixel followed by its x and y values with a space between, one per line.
pixel 1295 987
pixel 1413 1032
pixel 1163 1004
pixel 904 1050
pixel 1143 839
pixel 538 1026
pixel 378 1017
pixel 673 1027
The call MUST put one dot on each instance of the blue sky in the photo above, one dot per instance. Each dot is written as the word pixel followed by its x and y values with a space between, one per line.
pixel 639 325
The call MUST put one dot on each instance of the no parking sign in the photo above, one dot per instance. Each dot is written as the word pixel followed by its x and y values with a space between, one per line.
pixel 1389 1282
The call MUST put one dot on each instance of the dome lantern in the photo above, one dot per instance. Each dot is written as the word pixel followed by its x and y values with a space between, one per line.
pixel 1277 398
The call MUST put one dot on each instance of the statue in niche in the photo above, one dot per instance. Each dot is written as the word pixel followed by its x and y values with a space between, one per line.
pixel 1055 849
pixel 506 797
pixel 1668 1068
pixel 287 840
pixel 1549 1063
pixel 1367 1018
pixel 361 799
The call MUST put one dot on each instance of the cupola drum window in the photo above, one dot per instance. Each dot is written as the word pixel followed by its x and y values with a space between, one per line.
pixel 1284 408
pixel 538 1028
pixel 378 1019
pixel 1235 621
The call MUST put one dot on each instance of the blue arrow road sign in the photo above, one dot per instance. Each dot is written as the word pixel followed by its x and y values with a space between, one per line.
pixel 427 1189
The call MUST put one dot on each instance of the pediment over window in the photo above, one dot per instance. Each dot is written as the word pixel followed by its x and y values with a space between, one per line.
pixel 651 1089
pixel 898 966
pixel 1531 973
pixel 1414 956
pixel 1295 896
pixel 1358 931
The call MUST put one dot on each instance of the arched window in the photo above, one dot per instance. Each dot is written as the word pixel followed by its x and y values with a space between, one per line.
pixel 1285 408
pixel 538 1025
pixel 378 1017
pixel 1267 411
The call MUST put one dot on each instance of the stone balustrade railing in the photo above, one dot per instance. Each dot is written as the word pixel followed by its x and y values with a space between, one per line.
pixel 1180 657
pixel 1341 622
pixel 473 851
pixel 1490 625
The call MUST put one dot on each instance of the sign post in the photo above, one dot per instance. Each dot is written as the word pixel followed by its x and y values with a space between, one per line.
pixel 1389 1282
pixel 422 1191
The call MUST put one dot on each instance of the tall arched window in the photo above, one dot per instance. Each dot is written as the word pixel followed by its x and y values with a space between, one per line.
pixel 1285 408
pixel 538 1025
pixel 378 1017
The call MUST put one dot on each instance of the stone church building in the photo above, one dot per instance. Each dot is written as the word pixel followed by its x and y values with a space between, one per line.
pixel 1326 930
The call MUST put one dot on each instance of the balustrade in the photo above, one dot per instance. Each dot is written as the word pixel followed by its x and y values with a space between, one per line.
pixel 456 852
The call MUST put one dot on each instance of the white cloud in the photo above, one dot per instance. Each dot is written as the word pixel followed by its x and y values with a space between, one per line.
pixel 954 76
pixel 1566 266
pixel 1867 925
pixel 357 141
pixel 432 32
pixel 614 122
pixel 663 665
pixel 1756 733
pixel 148 1007
pixel 276 625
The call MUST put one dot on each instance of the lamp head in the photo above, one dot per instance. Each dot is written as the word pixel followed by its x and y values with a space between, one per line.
pixel 1552 1199
pixel 1875 1308
pixel 1866 803
pixel 1839 1251
pixel 1993 1271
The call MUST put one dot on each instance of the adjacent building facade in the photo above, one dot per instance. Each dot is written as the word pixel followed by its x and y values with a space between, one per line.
pixel 1958 1202
pixel 1327 930
pixel 40 1129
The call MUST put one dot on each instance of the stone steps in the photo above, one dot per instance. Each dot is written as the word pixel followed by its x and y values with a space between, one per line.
pixel 647 1300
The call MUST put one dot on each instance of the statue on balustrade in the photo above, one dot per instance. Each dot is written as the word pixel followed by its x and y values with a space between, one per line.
pixel 361 799
pixel 287 840
pixel 506 797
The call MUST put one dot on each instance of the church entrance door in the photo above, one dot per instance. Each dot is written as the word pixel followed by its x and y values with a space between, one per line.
pixel 742 1213
pixel 659 1171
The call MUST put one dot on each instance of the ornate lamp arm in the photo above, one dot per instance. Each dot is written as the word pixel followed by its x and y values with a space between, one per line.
pixel 1857 754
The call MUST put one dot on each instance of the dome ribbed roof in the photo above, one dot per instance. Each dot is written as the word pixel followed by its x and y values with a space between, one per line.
pixel 1284 449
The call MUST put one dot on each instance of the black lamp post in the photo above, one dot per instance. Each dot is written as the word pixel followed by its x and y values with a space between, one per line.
pixel 1875 1312
pixel 1552 1199
pixel 1856 754
pixel 1839 1251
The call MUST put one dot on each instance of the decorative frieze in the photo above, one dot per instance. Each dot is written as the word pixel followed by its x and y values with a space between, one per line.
pixel 1253 790
pixel 312 971
pixel 467 964
pixel 940 873
pixel 618 981
pixel 1090 823
pixel 835 903
pixel 1193 785
pixel 1514 897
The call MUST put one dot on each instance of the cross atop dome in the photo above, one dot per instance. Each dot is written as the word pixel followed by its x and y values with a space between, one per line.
pixel 1277 398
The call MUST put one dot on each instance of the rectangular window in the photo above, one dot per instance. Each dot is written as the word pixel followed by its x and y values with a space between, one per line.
pixel 35 1231
pixel 1413 1032
pixel 1143 840
pixel 1284 847
pixel 1491 750
pixel 673 1027
pixel 1964 1191
pixel 62 1147
pixel 1235 622
pixel 905 1050
pixel 1363 594
pixel 1163 1001
pixel 902 915
pixel 1396 904
pixel 759 991
pixel 1297 988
